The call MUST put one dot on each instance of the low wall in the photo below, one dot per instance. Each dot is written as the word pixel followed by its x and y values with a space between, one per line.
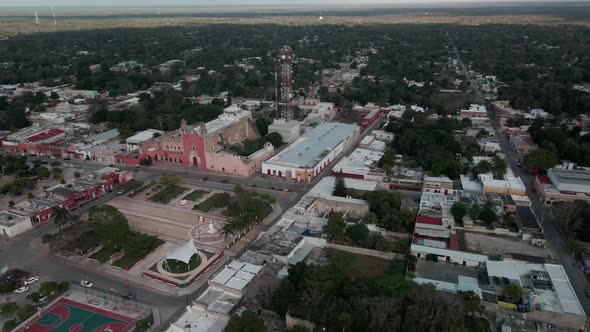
pixel 364 251
pixel 291 322
pixel 495 231
pixel 562 320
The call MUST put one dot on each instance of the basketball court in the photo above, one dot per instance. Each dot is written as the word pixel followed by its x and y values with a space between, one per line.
pixel 70 316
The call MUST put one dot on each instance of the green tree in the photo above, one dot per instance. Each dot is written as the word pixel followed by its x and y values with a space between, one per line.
pixel 335 226
pixel 42 172
pixel 472 302
pixel 60 215
pixel 458 210
pixel 483 166
pixel 275 139
pixel 499 167
pixel 169 180
pixel 77 174
pixel 542 159
pixel 25 312
pixel 514 292
pixel 246 322
pixel 9 325
pixel 111 226
pixel 8 309
pixel 488 215
pixel 339 186
pixel 262 124
pixel 357 233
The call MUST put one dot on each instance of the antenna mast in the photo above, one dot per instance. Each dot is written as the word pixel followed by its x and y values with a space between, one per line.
pixel 53 13
pixel 286 61
pixel 36 18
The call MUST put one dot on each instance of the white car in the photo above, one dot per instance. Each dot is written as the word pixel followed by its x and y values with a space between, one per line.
pixel 21 290
pixel 31 280
pixel 86 283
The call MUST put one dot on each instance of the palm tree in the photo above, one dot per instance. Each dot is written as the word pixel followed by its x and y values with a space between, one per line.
pixel 499 167
pixel 60 215
pixel 228 230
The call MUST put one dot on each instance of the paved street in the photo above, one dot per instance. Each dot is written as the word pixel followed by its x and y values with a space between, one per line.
pixel 24 252
pixel 555 242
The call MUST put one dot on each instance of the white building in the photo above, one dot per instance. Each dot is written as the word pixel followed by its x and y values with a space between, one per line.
pixel 12 223
pixel 146 135
pixel 289 130
pixel 310 154
pixel 475 112
pixel 382 135
pixel 360 164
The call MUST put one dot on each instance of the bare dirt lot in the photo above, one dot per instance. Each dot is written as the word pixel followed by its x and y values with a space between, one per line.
pixel 492 245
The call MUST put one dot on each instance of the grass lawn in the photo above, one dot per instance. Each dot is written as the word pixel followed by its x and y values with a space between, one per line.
pixel 195 195
pixel 180 267
pixel 217 200
pixel 130 185
pixel 167 194
pixel 128 261
pixel 103 255
pixel 361 265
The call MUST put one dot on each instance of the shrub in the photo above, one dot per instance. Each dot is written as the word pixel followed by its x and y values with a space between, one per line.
pixel 7 287
pixel 8 309
pixel 9 325
pixel 25 312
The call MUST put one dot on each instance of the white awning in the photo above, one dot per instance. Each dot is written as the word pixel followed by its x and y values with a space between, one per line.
pixel 183 253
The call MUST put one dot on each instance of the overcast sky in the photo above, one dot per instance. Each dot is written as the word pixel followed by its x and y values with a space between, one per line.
pixel 138 3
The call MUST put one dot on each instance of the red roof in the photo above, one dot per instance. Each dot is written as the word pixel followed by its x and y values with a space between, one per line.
pixel 45 135
pixel 428 220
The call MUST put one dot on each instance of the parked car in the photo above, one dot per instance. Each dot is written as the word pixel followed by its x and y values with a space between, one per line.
pixel 21 290
pixel 121 192
pixel 86 283
pixel 31 280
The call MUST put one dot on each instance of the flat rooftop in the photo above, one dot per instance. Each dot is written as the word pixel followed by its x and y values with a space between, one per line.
pixel 144 136
pixel 566 178
pixel 309 149
pixel 560 298
pixel 9 219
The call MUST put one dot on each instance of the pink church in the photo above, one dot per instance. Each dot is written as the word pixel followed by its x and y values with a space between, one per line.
pixel 205 145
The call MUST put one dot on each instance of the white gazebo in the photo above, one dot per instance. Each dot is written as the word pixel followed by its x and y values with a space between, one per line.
pixel 183 253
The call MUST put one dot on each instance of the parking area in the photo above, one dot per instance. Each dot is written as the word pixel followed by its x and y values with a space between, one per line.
pixel 443 271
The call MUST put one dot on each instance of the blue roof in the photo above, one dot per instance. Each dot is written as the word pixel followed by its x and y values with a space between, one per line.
pixel 310 149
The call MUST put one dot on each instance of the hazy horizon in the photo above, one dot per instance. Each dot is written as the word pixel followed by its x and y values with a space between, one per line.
pixel 257 3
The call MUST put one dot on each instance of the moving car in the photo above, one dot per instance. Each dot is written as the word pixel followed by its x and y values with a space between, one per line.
pixel 21 290
pixel 86 283
pixel 31 280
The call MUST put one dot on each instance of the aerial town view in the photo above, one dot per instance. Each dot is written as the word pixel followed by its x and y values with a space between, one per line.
pixel 369 165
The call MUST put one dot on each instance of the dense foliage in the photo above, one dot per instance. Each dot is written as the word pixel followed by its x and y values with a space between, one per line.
pixel 332 297
pixel 537 64
pixel 558 143
pixel 432 144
